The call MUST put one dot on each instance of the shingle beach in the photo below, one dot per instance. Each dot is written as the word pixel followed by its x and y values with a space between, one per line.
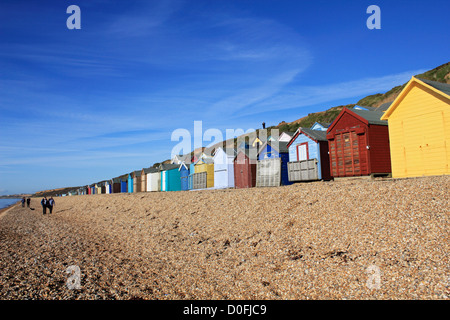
pixel 352 239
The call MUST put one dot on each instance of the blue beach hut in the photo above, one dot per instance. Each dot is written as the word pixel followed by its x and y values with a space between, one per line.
pixel 308 155
pixel 124 183
pixel 184 176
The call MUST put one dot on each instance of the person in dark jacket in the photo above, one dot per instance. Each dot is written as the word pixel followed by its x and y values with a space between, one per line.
pixel 50 204
pixel 44 203
pixel 28 202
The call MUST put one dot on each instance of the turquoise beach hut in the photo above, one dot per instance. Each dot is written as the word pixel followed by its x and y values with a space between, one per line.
pixel 130 182
pixel 170 177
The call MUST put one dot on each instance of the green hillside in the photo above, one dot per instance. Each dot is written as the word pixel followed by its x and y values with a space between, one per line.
pixel 440 74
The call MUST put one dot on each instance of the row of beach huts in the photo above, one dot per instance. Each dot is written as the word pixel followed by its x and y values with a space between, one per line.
pixel 409 137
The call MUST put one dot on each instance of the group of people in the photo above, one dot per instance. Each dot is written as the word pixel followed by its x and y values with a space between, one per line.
pixel 28 201
pixel 47 203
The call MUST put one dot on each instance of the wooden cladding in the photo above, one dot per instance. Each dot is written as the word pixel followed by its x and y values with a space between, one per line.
pixel 346 156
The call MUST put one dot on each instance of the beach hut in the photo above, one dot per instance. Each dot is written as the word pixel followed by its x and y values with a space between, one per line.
pixel 271 169
pixel 137 186
pixel 98 188
pixel 109 186
pixel 308 155
pixel 116 185
pixel 358 144
pixel 144 177
pixel 419 129
pixel 206 164
pixel 153 179
pixel 245 168
pixel 130 184
pixel 224 168
pixel 184 176
pixel 170 177
pixel 286 136
pixel 101 187
pixel 93 188
pixel 124 183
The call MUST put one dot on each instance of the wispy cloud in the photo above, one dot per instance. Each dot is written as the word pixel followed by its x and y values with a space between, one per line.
pixel 297 96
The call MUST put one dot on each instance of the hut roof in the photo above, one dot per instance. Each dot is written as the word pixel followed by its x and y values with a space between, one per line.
pixel 372 117
pixel 206 160
pixel 316 135
pixel 384 106
pixel 443 87
pixel 137 173
pixel 168 166
pixel 280 146
pixel 150 170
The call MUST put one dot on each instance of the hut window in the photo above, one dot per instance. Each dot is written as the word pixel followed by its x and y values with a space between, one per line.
pixel 302 151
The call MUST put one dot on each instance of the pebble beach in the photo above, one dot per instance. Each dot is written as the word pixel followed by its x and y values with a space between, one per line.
pixel 349 239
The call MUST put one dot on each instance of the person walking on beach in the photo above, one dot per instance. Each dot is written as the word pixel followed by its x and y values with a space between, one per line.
pixel 51 203
pixel 23 202
pixel 44 203
pixel 28 202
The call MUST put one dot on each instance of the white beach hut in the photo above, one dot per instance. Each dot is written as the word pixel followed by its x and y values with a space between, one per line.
pixel 224 168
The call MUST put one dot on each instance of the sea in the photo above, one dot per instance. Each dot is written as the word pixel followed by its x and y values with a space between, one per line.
pixel 7 202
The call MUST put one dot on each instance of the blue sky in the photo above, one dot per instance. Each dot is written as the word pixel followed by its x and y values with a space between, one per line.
pixel 80 106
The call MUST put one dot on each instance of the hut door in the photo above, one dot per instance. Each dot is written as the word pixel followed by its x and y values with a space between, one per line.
pixel 351 154
pixel 345 154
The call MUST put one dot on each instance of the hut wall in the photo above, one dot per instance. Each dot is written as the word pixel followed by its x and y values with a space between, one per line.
pixel 244 171
pixel 154 181
pixel 184 176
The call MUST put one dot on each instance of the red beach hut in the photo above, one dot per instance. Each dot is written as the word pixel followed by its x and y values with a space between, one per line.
pixel 245 168
pixel 359 144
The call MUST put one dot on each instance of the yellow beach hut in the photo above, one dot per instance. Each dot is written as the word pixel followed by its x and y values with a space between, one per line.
pixel 419 129
pixel 206 164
